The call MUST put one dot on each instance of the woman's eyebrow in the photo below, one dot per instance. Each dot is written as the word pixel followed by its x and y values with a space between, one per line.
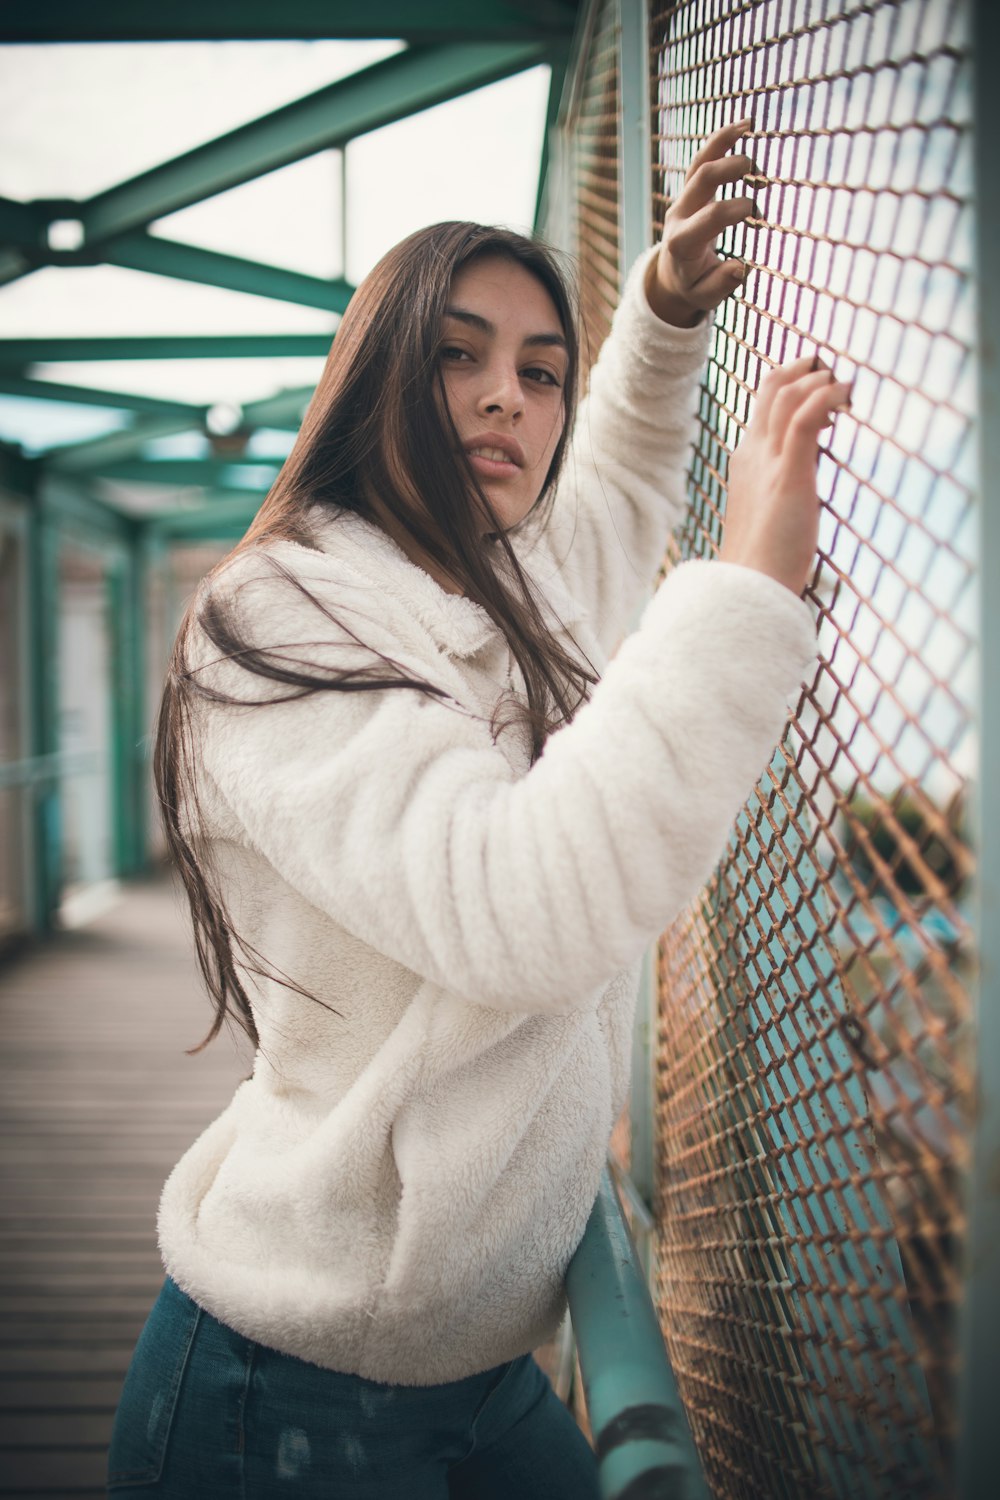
pixel 463 315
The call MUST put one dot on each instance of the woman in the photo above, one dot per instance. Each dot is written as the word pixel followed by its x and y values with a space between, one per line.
pixel 423 903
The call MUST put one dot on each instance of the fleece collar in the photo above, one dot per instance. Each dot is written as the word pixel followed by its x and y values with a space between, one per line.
pixel 456 624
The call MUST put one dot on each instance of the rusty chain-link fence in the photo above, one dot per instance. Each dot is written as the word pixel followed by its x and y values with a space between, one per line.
pixel 814 1069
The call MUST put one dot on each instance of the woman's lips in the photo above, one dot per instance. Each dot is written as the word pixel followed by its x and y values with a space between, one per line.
pixel 491 468
pixel 494 455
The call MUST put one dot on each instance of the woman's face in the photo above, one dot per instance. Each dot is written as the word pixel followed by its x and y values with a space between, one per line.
pixel 503 362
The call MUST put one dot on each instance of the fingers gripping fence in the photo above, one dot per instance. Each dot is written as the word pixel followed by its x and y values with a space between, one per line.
pixel 814 1053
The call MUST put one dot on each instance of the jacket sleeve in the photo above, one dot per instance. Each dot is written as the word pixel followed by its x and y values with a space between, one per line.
pixel 623 486
pixel 398 816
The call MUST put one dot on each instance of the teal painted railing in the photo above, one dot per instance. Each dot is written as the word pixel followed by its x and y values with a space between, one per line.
pixel 641 1436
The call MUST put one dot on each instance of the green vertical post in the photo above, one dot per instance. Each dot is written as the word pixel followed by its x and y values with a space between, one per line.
pixel 979 1329
pixel 137 677
pixel 635 208
pixel 641 1436
pixel 114 593
pixel 43 542
pixel 635 224
pixel 125 598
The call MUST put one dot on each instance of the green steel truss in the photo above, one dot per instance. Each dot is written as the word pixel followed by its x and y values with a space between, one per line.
pixel 255 20
pixel 451 50
pixel 73 495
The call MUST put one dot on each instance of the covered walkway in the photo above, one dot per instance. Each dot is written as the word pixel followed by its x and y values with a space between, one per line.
pixel 814 1121
pixel 97 1100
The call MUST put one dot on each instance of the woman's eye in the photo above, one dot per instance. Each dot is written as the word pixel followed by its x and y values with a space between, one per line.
pixel 452 352
pixel 543 377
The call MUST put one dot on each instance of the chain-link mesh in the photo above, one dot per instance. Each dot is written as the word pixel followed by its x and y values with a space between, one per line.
pixel 814 1069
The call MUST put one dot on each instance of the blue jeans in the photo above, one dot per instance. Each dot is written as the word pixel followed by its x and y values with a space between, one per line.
pixel 206 1414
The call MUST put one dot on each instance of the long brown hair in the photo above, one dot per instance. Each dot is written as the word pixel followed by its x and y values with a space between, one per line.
pixel 378 426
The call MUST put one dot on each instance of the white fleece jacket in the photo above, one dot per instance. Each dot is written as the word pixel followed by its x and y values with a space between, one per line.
pixel 399 1187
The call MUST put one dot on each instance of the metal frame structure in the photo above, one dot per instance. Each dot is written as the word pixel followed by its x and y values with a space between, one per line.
pixel 449 51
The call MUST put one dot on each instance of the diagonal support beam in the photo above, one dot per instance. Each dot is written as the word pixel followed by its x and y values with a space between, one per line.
pixel 21 229
pixel 426 20
pixel 21 352
pixel 255 475
pixel 94 455
pixel 13 265
pixel 21 223
pixel 26 251
pixel 85 395
pixel 161 257
pixel 285 409
pixel 401 85
pixel 23 237
pixel 225 514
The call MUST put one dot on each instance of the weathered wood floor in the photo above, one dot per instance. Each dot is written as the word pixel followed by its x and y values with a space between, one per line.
pixel 97 1101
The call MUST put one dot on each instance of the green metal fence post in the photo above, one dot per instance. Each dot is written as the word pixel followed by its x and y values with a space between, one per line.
pixel 125 627
pixel 641 1436
pixel 636 200
pixel 44 699
pixel 979 1340
pixel 635 225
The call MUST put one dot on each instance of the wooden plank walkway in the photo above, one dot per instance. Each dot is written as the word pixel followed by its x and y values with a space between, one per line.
pixel 97 1102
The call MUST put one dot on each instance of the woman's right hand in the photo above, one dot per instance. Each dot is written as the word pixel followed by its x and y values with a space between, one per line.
pixel 772 509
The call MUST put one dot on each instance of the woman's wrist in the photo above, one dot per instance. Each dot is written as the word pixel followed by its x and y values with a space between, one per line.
pixel 669 307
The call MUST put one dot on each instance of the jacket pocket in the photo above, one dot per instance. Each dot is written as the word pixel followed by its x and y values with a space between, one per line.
pixel 149 1398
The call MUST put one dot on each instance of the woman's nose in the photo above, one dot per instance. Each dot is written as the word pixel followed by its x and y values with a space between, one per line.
pixel 501 393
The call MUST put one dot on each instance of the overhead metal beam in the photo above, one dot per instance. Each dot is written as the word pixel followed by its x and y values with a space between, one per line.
pixel 66 502
pixel 97 453
pixel 375 96
pixel 13 265
pixel 284 410
pixel 21 223
pixel 21 352
pixel 222 515
pixel 85 395
pixel 24 227
pixel 253 473
pixel 414 20
pixel 146 252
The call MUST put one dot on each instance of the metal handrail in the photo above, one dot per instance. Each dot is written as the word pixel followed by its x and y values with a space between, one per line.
pixel 641 1435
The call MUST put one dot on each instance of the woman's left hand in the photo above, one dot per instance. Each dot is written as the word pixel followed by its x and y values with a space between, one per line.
pixel 687 278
